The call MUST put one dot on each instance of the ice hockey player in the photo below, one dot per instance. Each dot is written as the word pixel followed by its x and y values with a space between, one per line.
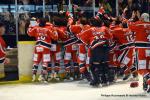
pixel 70 57
pixel 142 43
pixel 43 37
pixel 113 53
pixel 55 55
pixel 97 39
pixel 124 39
pixel 76 29
pixel 3 59
pixel 3 46
pixel 60 23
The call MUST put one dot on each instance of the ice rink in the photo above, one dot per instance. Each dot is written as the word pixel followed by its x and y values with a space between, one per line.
pixel 78 90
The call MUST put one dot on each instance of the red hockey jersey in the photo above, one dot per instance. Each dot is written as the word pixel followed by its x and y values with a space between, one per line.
pixel 89 36
pixel 43 35
pixel 77 29
pixel 2 50
pixel 142 31
pixel 124 37
pixel 62 33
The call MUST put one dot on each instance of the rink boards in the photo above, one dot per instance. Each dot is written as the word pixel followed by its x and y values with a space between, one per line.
pixel 25 53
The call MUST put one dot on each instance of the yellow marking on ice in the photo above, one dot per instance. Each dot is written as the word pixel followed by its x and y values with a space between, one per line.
pixel 26 42
pixel 22 79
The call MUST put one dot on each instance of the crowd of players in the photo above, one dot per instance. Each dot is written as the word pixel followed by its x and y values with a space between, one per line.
pixel 97 49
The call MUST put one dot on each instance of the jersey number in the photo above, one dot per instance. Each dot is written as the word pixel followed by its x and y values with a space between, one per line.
pixel 130 38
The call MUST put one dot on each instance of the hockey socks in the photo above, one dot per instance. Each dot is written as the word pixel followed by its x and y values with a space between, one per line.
pixel 146 83
pixel 34 69
pixel 34 72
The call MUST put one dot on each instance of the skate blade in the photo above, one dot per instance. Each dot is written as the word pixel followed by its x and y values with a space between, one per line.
pixel 105 85
pixel 57 79
pixel 33 80
pixel 43 82
pixel 49 79
pixel 68 80
pixel 96 86
pixel 84 81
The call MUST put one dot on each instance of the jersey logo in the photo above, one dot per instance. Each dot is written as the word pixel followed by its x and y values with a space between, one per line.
pixel 42 38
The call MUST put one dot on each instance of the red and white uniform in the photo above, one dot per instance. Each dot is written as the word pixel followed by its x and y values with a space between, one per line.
pixel 142 45
pixel 2 50
pixel 70 55
pixel 81 56
pixel 94 33
pixel 71 48
pixel 125 42
pixel 56 47
pixel 114 52
pixel 43 37
pixel 91 35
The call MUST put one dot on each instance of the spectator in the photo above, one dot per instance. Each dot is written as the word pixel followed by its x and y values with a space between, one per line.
pixel 25 2
pixel 7 1
pixel 121 6
pixel 47 16
pixel 23 19
pixel 145 6
pixel 8 19
pixel 106 6
pixel 132 6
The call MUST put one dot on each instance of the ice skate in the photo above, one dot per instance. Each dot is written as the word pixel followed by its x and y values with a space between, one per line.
pixel 71 78
pixel 126 77
pixel 77 76
pixel 56 76
pixel 42 79
pixel 68 77
pixel 145 86
pixel 148 85
pixel 33 78
pixel 94 84
pixel 49 77
pixel 134 77
pixel 145 83
pixel 148 89
pixel 104 84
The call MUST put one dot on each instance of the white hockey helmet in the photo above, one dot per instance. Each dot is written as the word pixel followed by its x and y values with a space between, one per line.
pixel 145 17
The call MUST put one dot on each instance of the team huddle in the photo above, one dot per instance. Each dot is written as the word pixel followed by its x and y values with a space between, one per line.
pixel 94 49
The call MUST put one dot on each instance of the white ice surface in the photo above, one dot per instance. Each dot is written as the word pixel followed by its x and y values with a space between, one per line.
pixel 69 91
